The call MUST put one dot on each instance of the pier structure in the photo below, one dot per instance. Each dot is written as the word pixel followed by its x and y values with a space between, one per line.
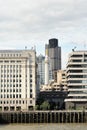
pixel 44 117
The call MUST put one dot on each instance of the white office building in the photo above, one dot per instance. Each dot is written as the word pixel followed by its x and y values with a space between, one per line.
pixel 17 80
pixel 77 80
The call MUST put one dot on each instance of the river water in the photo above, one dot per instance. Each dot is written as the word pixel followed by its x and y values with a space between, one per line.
pixel 44 127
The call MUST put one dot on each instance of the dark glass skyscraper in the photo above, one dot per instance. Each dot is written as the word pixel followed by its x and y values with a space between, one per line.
pixel 54 53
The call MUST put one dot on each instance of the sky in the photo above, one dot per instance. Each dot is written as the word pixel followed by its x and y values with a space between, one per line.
pixel 33 22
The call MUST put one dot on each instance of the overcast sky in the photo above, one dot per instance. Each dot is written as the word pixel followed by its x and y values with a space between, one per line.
pixel 34 22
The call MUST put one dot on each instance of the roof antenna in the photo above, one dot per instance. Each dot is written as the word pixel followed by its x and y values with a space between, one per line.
pixel 25 47
pixel 74 48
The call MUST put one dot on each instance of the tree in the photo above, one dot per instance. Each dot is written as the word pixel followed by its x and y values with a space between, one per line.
pixel 45 106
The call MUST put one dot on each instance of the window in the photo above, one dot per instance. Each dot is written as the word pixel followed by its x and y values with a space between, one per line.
pixel 20 80
pixel 30 75
pixel 6 61
pixel 4 66
pixel 30 101
pixel 30 95
pixel 30 90
pixel 12 61
pixel 7 80
pixel 30 85
pixel 30 80
pixel 19 95
pixel 14 76
pixel 1 102
pixel 7 96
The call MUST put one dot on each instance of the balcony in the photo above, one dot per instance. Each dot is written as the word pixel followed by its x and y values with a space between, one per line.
pixel 78 95
pixel 76 100
pixel 76 68
pixel 69 74
pixel 77 79
pixel 80 89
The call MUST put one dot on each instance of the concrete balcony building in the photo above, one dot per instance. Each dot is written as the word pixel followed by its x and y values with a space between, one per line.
pixel 77 80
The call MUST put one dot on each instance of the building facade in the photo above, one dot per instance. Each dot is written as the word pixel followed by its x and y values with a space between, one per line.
pixel 17 80
pixel 54 54
pixel 77 80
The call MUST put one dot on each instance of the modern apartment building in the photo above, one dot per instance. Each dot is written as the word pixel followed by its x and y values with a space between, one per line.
pixel 77 80
pixel 54 54
pixel 17 80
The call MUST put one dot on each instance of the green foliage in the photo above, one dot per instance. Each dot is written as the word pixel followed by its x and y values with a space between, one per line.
pixel 45 106
pixel 37 107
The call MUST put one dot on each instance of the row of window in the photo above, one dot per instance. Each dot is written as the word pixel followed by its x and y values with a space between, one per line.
pixel 10 90
pixel 10 96
pixel 10 66
pixel 10 85
pixel 11 76
pixel 4 80
pixel 16 102
pixel 11 71
pixel 10 55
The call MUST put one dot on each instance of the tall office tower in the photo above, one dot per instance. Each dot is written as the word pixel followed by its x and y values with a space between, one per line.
pixel 41 70
pixel 77 80
pixel 54 54
pixel 17 79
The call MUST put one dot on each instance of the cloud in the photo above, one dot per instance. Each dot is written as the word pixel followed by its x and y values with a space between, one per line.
pixel 34 22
